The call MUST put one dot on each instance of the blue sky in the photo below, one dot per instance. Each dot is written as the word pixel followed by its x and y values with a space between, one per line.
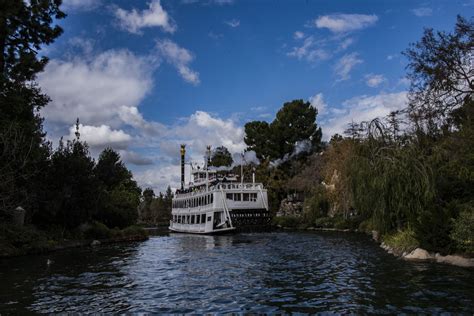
pixel 145 76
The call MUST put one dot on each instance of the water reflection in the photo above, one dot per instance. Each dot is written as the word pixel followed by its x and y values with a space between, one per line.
pixel 245 273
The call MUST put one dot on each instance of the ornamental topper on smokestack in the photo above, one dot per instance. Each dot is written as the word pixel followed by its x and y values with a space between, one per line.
pixel 183 153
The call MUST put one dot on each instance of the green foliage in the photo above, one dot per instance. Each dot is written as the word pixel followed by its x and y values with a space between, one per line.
pixel 316 205
pixel 221 157
pixel 24 29
pixel 118 207
pixel 17 240
pixel 294 122
pixel 72 189
pixel 97 230
pixel 463 229
pixel 287 221
pixel 402 241
pixel 158 209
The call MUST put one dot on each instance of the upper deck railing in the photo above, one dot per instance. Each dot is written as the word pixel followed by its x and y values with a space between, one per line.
pixel 219 186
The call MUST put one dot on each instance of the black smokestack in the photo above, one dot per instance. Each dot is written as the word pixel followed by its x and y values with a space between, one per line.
pixel 183 153
pixel 208 154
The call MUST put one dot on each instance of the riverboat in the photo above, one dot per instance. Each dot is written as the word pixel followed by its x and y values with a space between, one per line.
pixel 217 202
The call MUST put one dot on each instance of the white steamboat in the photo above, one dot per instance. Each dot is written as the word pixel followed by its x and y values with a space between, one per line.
pixel 216 203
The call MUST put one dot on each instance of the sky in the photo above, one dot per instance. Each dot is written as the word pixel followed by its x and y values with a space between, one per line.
pixel 145 76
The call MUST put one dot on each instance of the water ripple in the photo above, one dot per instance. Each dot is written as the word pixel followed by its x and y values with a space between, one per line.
pixel 246 273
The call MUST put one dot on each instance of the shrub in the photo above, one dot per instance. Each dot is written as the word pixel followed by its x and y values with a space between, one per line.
pixel 287 221
pixel 463 230
pixel 316 205
pixel 97 230
pixel 134 231
pixel 402 241
pixel 324 222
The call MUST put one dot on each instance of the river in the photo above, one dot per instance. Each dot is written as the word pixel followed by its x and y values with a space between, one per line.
pixel 244 273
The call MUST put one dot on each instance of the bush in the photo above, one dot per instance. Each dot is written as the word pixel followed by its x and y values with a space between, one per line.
pixel 402 241
pixel 463 230
pixel 134 231
pixel 316 206
pixel 324 222
pixel 367 226
pixel 97 230
pixel 287 221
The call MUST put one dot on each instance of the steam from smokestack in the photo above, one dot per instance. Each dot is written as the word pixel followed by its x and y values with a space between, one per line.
pixel 300 147
pixel 249 157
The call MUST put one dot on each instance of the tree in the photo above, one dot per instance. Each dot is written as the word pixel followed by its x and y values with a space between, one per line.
pixel 257 138
pixel 221 157
pixel 442 78
pixel 120 194
pixel 72 193
pixel 294 122
pixel 24 28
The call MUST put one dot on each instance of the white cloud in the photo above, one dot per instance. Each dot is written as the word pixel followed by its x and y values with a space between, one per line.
pixel 423 11
pixel 317 101
pixel 392 57
pixel 233 23
pixel 134 158
pixel 345 65
pixel 342 23
pixel 133 21
pixel 180 58
pixel 298 35
pixel 363 108
pixel 101 136
pixel 80 5
pixel 95 89
pixel 309 50
pixel 196 131
pixel 346 43
pixel 373 80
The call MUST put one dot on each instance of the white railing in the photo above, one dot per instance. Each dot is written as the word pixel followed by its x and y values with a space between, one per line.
pixel 221 186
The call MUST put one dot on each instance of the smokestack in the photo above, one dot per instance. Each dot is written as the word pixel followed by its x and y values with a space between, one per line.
pixel 183 153
pixel 208 153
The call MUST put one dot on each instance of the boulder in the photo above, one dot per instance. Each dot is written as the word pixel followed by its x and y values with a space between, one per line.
pixel 455 260
pixel 95 243
pixel 419 254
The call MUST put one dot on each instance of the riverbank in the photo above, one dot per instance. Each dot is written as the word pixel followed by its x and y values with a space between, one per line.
pixel 405 248
pixel 27 240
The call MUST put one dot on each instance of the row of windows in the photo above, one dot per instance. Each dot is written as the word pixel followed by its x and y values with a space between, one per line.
pixel 191 219
pixel 242 196
pixel 194 202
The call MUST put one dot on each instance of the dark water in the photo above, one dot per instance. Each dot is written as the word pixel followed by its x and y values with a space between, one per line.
pixel 247 273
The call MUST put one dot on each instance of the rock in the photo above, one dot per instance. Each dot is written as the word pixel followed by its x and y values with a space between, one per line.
pixel 375 235
pixel 95 243
pixel 404 254
pixel 419 254
pixel 455 260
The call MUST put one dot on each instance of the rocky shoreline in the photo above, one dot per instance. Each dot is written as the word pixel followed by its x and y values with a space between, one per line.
pixel 420 254
pixel 417 254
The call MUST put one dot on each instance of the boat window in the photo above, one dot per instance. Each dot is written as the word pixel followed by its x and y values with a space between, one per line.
pixel 246 197
pixel 203 218
pixel 192 219
pixel 209 218
pixel 230 196
pixel 212 198
pixel 253 197
pixel 198 218
pixel 187 219
pixel 237 197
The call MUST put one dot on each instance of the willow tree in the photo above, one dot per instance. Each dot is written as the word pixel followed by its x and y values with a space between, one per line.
pixel 391 185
